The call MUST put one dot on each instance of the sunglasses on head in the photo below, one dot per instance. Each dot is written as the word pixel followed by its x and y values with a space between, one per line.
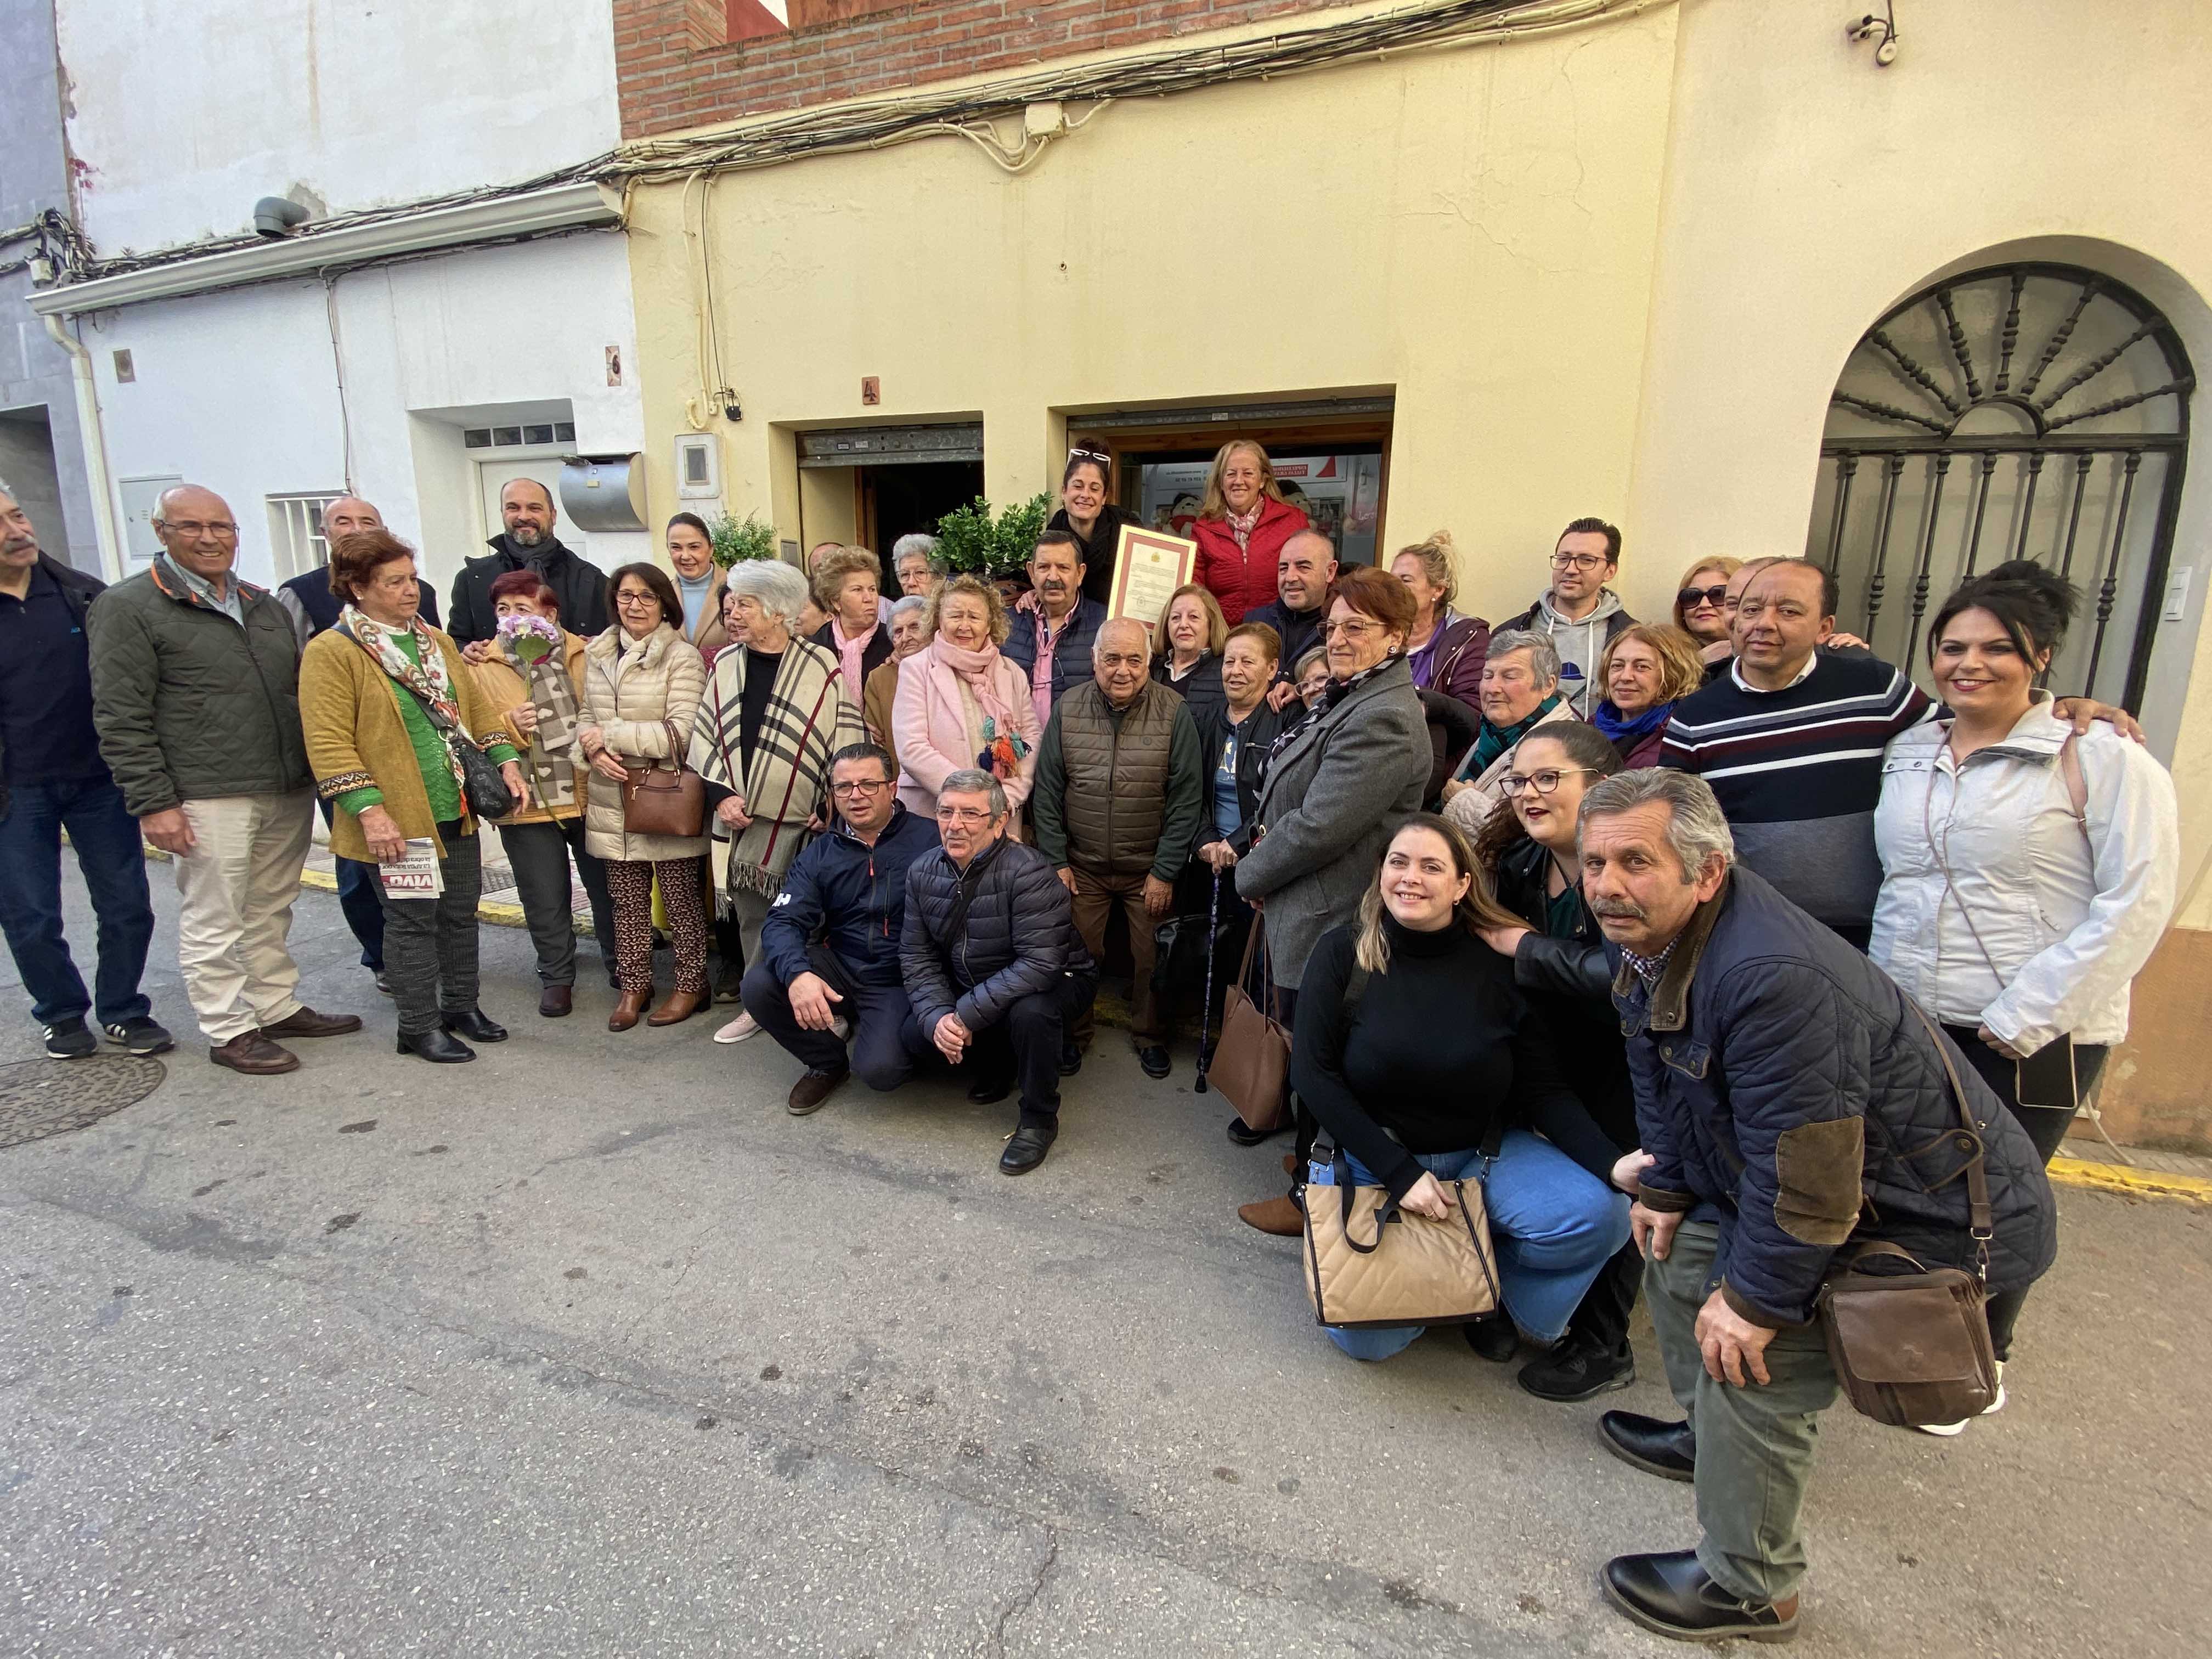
pixel 1691 598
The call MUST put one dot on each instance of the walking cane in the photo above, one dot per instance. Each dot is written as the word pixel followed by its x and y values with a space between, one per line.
pixel 1205 1008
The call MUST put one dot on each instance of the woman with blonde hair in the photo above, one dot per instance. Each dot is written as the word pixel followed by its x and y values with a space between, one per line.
pixel 1643 673
pixel 1447 650
pixel 1241 528
pixel 1701 608
pixel 1187 650
pixel 1426 1064
pixel 961 705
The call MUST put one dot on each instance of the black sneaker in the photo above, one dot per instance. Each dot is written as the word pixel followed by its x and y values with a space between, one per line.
pixel 1578 1369
pixel 70 1039
pixel 1244 1136
pixel 141 1036
pixel 1493 1337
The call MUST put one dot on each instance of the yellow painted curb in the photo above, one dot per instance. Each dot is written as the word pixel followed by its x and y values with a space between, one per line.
pixel 2134 1183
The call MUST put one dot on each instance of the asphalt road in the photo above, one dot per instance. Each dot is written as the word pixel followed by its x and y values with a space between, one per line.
pixel 589 1348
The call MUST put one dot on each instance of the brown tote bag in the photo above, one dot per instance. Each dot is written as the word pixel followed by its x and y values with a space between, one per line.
pixel 665 799
pixel 1251 1064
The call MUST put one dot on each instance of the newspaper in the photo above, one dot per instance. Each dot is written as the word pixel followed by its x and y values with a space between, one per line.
pixel 415 873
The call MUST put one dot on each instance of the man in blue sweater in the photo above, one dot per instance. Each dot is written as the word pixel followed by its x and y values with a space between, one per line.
pixel 829 948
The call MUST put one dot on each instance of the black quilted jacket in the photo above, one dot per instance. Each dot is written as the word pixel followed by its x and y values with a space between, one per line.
pixel 1018 937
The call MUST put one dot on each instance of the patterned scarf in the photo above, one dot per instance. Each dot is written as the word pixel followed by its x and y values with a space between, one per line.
pixel 807 721
pixel 553 694
pixel 1336 692
pixel 426 679
pixel 1241 524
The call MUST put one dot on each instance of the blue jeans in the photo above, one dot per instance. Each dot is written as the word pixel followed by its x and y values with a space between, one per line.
pixel 109 853
pixel 1552 1225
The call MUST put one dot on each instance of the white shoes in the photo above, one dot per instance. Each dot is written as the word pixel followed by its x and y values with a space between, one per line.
pixel 1949 1431
pixel 744 1026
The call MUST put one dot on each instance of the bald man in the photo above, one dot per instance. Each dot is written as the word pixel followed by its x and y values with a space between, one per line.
pixel 195 695
pixel 1120 797
pixel 307 598
pixel 527 543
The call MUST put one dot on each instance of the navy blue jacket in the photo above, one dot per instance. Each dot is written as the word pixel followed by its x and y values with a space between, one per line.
pixel 1787 1087
pixel 1071 658
pixel 853 893
pixel 1019 938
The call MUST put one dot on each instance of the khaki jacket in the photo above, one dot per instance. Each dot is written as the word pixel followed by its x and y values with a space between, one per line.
pixel 629 701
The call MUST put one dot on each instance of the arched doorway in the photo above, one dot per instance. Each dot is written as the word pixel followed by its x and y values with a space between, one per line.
pixel 2026 410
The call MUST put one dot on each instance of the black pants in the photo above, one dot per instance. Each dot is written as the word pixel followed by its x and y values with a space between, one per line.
pixel 538 855
pixel 1025 1046
pixel 2046 1126
pixel 430 944
pixel 878 1014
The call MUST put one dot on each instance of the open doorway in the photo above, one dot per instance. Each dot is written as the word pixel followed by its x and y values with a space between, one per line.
pixel 899 500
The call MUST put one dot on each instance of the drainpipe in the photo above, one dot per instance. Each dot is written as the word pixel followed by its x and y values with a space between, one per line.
pixel 109 533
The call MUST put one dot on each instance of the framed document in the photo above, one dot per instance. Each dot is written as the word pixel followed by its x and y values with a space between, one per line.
pixel 1149 565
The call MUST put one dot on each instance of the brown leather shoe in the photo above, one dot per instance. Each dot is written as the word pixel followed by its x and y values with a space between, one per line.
pixel 305 1021
pixel 811 1090
pixel 679 1007
pixel 1279 1216
pixel 1290 1164
pixel 254 1054
pixel 628 1006
pixel 554 1001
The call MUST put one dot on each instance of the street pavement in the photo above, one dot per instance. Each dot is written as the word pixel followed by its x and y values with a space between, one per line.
pixel 589 1348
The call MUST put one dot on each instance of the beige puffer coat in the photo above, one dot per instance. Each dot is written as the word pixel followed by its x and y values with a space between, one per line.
pixel 627 695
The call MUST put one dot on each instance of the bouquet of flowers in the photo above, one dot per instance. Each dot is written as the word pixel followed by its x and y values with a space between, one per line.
pixel 531 639
pixel 1003 753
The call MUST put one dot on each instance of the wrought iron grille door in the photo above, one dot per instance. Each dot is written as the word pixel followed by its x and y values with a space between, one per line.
pixel 2036 411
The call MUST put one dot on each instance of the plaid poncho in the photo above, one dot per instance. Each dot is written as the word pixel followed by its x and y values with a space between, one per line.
pixel 808 719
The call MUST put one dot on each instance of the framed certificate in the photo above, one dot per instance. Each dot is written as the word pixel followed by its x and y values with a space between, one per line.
pixel 1149 565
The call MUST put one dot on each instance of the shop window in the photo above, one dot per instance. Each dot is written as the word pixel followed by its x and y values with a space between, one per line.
pixel 1340 491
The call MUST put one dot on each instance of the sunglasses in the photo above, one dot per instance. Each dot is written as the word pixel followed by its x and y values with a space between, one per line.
pixel 1691 598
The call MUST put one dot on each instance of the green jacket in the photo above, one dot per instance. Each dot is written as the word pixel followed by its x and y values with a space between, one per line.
pixel 189 706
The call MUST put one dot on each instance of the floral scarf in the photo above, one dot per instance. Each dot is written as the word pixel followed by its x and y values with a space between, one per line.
pixel 426 679
pixel 1241 524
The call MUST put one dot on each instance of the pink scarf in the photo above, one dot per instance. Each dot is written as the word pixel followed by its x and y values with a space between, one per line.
pixel 980 669
pixel 850 651
pixel 1241 524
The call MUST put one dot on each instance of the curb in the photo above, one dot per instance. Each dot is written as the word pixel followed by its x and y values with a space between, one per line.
pixel 2130 1183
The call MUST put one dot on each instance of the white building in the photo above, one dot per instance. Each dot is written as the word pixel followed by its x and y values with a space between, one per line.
pixel 419 360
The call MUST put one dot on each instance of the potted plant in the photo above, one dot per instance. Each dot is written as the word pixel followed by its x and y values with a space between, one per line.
pixel 740 541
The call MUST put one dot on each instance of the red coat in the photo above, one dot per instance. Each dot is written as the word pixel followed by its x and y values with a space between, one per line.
pixel 1244 579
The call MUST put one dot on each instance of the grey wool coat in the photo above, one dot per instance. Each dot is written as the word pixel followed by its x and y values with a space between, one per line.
pixel 1331 802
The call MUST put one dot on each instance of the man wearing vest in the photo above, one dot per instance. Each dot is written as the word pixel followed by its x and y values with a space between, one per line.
pixel 1119 798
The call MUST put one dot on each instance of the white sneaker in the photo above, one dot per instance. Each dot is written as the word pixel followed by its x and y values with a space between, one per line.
pixel 744 1026
pixel 1949 1431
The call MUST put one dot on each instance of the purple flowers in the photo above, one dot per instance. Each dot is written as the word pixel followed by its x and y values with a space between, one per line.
pixel 532 639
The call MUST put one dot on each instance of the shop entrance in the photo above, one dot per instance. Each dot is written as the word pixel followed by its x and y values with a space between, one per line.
pixel 901 500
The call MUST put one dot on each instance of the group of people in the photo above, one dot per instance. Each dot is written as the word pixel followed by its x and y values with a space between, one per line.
pixel 1634 924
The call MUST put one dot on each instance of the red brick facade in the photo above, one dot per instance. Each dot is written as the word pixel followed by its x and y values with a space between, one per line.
pixel 690 63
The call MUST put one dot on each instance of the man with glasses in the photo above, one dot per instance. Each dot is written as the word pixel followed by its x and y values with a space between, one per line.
pixel 195 693
pixel 1579 612
pixel 828 966
pixel 994 968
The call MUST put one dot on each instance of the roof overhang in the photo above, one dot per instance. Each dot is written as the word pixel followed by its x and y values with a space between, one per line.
pixel 544 212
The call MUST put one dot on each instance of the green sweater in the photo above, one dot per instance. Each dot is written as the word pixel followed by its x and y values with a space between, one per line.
pixel 432 758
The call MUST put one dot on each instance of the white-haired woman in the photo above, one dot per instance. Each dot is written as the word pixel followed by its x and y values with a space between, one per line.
pixel 915 565
pixel 775 711
pixel 909 626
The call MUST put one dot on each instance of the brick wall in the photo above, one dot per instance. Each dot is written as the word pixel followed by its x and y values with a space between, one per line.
pixel 678 65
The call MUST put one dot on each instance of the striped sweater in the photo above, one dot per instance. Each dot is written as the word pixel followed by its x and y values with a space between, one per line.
pixel 1798 772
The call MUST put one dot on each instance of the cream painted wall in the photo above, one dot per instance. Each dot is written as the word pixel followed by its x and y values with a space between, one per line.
pixel 1472 229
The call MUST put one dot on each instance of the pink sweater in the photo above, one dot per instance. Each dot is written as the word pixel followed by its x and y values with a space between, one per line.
pixel 930 730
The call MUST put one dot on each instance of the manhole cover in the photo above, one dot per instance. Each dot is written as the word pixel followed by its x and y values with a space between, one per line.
pixel 42 1097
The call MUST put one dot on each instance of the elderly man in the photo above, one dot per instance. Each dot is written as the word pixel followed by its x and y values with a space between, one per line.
pixel 1303 570
pixel 1579 612
pixel 195 692
pixel 828 960
pixel 52 782
pixel 1120 797
pixel 994 968
pixel 1784 1086
pixel 915 565
pixel 1051 642
pixel 525 507
pixel 1520 691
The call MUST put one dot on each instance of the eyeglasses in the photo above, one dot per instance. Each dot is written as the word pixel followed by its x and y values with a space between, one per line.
pixel 1691 598
pixel 864 787
pixel 191 529
pixel 1577 561
pixel 1543 782
pixel 637 601
pixel 969 815
pixel 1350 629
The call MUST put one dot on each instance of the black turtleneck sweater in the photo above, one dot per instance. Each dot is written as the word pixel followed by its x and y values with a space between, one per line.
pixel 1442 1048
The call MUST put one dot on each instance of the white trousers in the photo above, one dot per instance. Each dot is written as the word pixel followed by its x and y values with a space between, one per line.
pixel 238 885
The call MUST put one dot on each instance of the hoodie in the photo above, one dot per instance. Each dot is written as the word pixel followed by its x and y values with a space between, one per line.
pixel 1580 643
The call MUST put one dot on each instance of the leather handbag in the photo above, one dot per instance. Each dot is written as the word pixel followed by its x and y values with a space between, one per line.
pixel 1911 1343
pixel 665 797
pixel 1251 1064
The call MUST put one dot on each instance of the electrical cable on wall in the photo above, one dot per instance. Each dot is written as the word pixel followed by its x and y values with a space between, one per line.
pixel 338 366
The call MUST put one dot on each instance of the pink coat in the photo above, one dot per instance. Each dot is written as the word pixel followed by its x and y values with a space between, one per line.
pixel 931 734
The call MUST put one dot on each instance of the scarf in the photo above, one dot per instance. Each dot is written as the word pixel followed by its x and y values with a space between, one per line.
pixel 850 650
pixel 553 694
pixel 1241 524
pixel 989 723
pixel 807 721
pixel 1335 693
pixel 426 679
pixel 1621 730
pixel 1493 741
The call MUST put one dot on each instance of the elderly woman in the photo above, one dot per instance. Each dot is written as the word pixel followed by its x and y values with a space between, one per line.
pixel 775 711
pixel 1187 650
pixel 1087 511
pixel 1310 675
pixel 1241 528
pixel 961 705
pixel 642 686
pixel 909 620
pixel 382 695
pixel 1644 671
pixel 536 685
pixel 846 584
pixel 698 583
pixel 1447 650
pixel 1520 692
pixel 915 563
pixel 1702 604
pixel 1336 787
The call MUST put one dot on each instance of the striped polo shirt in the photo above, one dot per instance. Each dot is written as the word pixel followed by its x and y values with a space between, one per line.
pixel 1798 772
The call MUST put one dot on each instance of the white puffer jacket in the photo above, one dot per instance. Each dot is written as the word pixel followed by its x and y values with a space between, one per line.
pixel 629 690
pixel 1998 906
